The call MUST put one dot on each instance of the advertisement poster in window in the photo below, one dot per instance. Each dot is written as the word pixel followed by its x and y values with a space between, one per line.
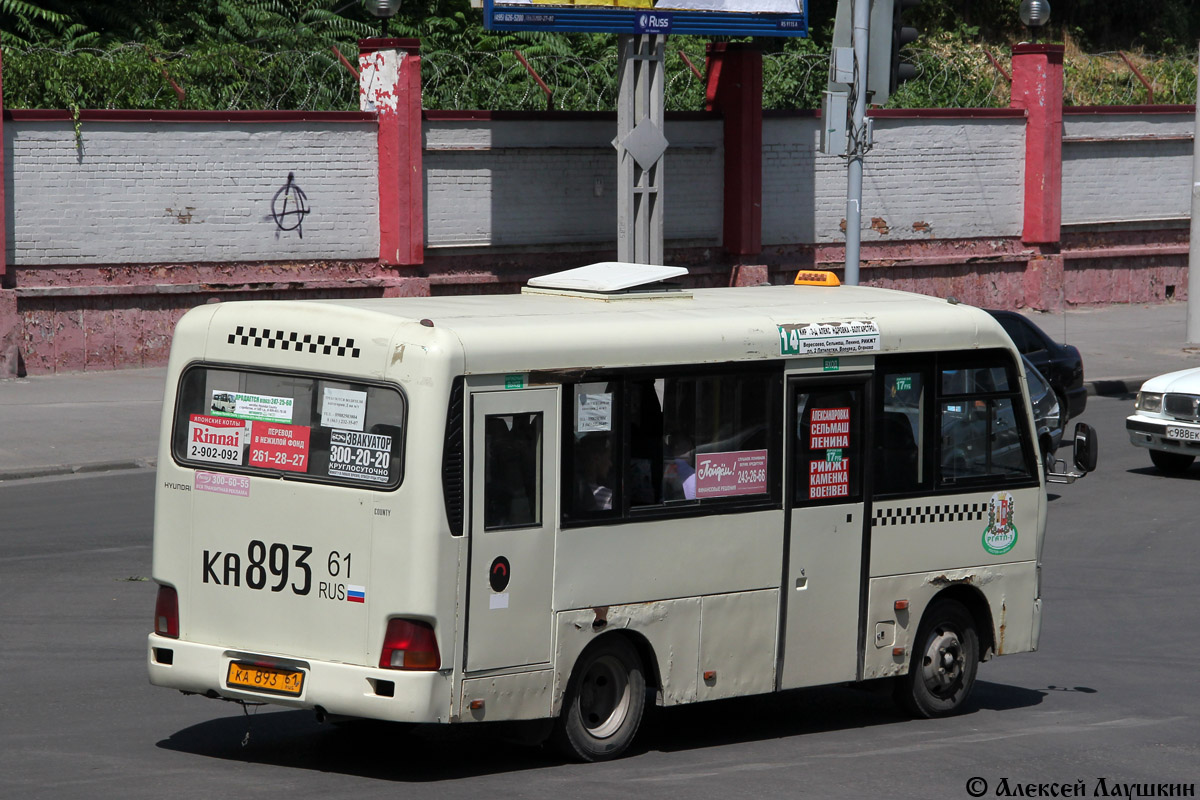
pixel 729 474
pixel 278 446
pixel 217 440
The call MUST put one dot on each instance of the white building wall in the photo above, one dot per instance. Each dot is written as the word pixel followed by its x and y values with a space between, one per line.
pixel 193 192
pixel 149 192
pixel 923 179
pixel 539 182
pixel 1126 167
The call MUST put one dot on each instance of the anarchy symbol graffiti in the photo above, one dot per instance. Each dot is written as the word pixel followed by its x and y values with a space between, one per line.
pixel 289 206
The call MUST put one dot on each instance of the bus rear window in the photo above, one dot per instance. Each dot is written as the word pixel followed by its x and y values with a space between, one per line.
pixel 292 426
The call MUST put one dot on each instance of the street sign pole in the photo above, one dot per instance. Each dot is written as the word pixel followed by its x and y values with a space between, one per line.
pixel 857 145
pixel 640 145
pixel 1193 315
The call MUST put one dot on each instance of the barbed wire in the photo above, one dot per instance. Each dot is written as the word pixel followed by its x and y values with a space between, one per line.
pixel 233 77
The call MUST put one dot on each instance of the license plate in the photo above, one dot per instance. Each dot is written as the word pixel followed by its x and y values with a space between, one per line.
pixel 1189 434
pixel 262 678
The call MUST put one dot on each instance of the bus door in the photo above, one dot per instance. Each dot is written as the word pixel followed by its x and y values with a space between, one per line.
pixel 514 508
pixel 824 555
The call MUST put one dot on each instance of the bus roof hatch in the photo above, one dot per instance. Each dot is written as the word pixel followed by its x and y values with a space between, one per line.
pixel 607 277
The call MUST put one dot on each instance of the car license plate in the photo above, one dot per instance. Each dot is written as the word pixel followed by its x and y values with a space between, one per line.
pixel 263 678
pixel 1189 434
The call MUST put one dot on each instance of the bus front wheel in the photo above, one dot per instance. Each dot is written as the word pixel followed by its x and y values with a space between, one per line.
pixel 945 658
pixel 604 702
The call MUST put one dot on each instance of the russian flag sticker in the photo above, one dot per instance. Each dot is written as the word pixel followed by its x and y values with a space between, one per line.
pixel 356 594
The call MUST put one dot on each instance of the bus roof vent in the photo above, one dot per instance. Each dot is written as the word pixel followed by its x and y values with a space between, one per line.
pixel 610 278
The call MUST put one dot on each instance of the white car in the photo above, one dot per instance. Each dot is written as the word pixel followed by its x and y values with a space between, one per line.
pixel 1167 419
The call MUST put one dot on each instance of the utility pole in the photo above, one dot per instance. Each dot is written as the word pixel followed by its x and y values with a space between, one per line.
pixel 857 145
pixel 1193 315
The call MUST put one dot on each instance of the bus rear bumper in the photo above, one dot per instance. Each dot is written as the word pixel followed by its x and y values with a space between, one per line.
pixel 336 689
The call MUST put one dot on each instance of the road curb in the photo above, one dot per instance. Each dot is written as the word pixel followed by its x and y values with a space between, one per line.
pixel 28 473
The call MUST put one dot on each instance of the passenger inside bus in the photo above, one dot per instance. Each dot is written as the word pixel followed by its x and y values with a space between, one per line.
pixel 593 472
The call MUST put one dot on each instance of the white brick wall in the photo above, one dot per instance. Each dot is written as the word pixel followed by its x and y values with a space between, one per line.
pixel 924 179
pixel 1126 167
pixel 201 192
pixel 532 182
pixel 187 192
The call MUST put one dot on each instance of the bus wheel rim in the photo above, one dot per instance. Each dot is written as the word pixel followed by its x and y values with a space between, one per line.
pixel 944 663
pixel 604 696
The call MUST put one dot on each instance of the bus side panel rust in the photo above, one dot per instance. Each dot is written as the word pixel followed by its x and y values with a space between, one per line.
pixel 667 629
pixel 1000 598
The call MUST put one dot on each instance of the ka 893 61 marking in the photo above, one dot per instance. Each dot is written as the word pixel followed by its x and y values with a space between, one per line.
pixel 260 558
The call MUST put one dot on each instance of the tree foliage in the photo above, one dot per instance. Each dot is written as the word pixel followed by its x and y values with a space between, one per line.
pixel 278 54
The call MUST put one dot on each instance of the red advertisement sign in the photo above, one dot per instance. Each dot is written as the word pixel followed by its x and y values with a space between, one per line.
pixel 828 479
pixel 278 446
pixel 727 474
pixel 829 428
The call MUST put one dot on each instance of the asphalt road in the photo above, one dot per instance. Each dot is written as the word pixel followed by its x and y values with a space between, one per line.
pixel 1112 694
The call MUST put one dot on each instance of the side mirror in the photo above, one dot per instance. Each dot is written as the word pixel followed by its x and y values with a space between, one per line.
pixel 1086 447
pixel 1086 450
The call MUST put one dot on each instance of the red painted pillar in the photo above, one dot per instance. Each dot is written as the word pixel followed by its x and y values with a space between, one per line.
pixel 1037 87
pixel 734 88
pixel 390 86
pixel 10 321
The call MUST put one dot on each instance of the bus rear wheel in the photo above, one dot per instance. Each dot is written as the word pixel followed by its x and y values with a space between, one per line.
pixel 945 659
pixel 604 702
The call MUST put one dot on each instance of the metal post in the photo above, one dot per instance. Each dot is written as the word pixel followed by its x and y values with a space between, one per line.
pixel 640 145
pixel 857 145
pixel 1193 315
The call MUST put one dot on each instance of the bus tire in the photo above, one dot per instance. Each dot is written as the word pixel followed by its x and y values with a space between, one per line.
pixel 944 661
pixel 1171 463
pixel 603 705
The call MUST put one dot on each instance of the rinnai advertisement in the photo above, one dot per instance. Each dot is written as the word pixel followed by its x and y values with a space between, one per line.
pixel 698 17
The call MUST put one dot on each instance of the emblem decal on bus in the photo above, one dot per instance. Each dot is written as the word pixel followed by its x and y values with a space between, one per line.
pixel 1000 535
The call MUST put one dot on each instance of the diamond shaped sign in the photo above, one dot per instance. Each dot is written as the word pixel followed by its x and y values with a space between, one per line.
pixel 645 143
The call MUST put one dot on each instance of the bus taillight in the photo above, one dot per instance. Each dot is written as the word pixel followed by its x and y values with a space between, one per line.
pixel 166 612
pixel 409 644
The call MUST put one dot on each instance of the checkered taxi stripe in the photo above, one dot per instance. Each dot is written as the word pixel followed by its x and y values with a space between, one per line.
pixel 921 515
pixel 292 340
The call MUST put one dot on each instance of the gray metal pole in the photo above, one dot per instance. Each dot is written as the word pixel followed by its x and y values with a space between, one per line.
pixel 858 140
pixel 640 145
pixel 1193 315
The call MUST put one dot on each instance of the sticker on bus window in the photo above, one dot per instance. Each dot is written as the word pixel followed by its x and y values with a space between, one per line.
pixel 829 428
pixel 593 413
pixel 360 456
pixel 277 446
pixel 237 485
pixel 828 479
pixel 217 440
pixel 343 408
pixel 728 474
pixel 251 406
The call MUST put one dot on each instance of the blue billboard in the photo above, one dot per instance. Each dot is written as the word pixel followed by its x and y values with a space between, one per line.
pixel 694 17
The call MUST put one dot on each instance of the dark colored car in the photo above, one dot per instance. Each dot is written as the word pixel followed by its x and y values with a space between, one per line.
pixel 1060 364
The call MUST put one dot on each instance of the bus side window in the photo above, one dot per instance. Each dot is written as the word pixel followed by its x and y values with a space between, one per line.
pixel 512 470
pixel 899 449
pixel 982 433
pixel 592 451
